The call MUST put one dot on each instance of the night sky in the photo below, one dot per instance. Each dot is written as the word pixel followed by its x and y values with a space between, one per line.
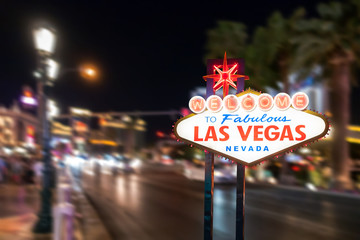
pixel 150 53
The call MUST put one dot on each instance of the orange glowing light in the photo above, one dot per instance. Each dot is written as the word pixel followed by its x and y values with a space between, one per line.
pixel 27 93
pixel 225 77
pixel 89 72
pixel 30 131
pixel 160 134
pixel 102 121
pixel 80 126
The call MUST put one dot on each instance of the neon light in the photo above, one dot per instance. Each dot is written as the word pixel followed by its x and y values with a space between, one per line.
pixel 225 77
pixel 248 103
pixel 300 101
pixel 214 103
pixel 282 101
pixel 197 104
pixel 28 100
pixel 265 102
pixel 231 103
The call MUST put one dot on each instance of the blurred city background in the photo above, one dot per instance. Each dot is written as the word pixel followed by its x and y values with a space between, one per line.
pixel 90 92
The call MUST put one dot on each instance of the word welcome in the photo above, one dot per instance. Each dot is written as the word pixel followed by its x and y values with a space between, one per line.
pixel 264 101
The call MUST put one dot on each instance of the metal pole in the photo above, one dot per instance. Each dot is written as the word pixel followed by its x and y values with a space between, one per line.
pixel 209 192
pixel 209 180
pixel 240 202
pixel 40 94
pixel 44 224
pixel 240 186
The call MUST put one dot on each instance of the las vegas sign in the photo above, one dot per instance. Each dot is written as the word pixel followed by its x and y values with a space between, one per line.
pixel 251 127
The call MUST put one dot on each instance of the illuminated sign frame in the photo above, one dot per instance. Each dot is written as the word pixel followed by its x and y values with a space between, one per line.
pixel 202 145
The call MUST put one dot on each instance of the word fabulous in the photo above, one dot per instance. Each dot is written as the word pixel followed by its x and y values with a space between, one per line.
pixel 248 102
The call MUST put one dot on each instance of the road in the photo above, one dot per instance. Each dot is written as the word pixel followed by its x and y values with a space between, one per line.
pixel 159 203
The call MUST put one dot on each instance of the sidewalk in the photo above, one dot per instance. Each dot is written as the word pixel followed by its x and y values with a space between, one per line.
pixel 92 227
pixel 18 208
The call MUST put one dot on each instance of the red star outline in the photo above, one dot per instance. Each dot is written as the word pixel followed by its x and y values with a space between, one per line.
pixel 225 77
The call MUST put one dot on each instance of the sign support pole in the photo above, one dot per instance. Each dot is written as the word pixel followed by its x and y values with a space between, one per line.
pixel 209 180
pixel 240 186
pixel 240 202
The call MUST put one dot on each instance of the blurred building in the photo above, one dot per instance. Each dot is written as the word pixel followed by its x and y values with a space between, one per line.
pixel 19 130
pixel 124 135
pixel 80 125
pixel 60 133
pixel 107 134
pixel 100 143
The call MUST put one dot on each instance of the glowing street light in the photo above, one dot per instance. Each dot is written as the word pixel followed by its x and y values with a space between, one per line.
pixel 52 69
pixel 45 40
pixel 89 72
pixel 53 109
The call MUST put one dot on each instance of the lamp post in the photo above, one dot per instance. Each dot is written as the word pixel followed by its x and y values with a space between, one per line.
pixel 45 43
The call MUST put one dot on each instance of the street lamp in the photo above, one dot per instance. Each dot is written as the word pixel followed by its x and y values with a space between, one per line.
pixel 45 39
pixel 52 69
pixel 89 71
